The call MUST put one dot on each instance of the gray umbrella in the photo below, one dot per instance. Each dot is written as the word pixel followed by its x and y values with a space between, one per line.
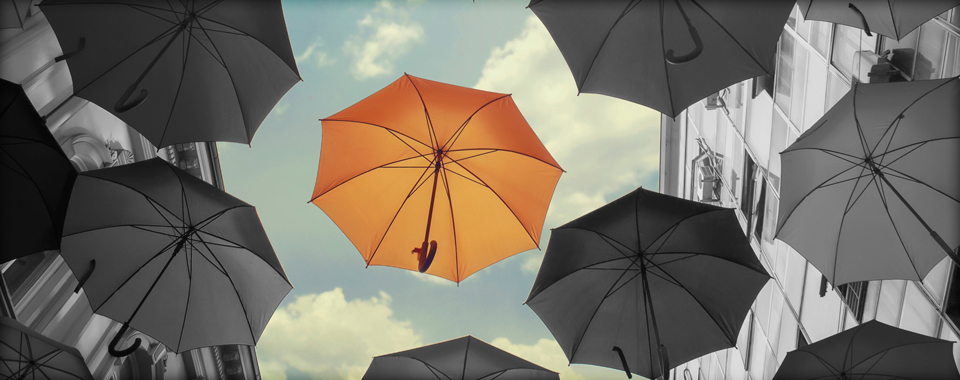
pixel 872 351
pixel 465 358
pixel 647 278
pixel 171 256
pixel 872 190
pixel 664 54
pixel 178 71
pixel 891 18
pixel 26 354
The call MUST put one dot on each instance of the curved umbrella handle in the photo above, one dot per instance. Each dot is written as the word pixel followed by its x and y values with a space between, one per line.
pixel 866 28
pixel 122 105
pixel 82 45
pixel 116 340
pixel 623 360
pixel 698 44
pixel 664 363
pixel 93 265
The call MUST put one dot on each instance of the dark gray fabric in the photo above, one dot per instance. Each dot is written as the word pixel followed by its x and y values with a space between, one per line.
pixel 618 47
pixel 221 288
pixel 872 351
pixel 845 219
pixel 465 358
pixel 35 178
pixel 891 18
pixel 55 361
pixel 13 12
pixel 216 81
pixel 702 277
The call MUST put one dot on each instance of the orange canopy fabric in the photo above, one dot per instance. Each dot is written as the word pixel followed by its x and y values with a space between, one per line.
pixel 379 180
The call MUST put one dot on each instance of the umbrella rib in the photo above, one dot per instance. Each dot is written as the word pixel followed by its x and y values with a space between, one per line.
pixel 783 219
pixel 138 8
pixel 573 351
pixel 156 39
pixel 380 126
pixel 233 83
pixel 185 52
pixel 384 166
pixel 843 218
pixel 666 76
pixel 416 186
pixel 906 177
pixel 433 134
pixel 885 351
pixel 849 205
pixel 465 177
pixel 52 356
pixel 886 208
pixel 394 134
pixel 824 363
pixel 247 35
pixel 492 150
pixel 925 94
pixel 727 32
pixel 630 6
pixel 535 242
pixel 145 196
pixel 246 316
pixel 453 222
pixel 217 57
pixel 456 135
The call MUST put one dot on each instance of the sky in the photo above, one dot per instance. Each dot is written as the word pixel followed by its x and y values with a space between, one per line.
pixel 341 313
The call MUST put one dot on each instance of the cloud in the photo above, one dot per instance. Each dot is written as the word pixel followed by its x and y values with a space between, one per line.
pixel 327 337
pixel 281 108
pixel 386 34
pixel 546 353
pixel 314 54
pixel 607 146
pixel 432 279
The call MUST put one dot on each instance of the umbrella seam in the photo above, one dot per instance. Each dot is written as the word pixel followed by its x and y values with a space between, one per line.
pixel 428 365
pixel 384 166
pixel 453 222
pixel 379 126
pixel 492 150
pixel 666 72
pixel 463 127
pixel 386 231
pixel 185 51
pixel 883 199
pixel 434 141
pixel 236 93
pixel 466 353
pixel 937 87
pixel 843 218
pixel 603 43
pixel 246 315
pixel 50 210
pixel 783 220
pixel 727 32
pixel 898 174
pixel 256 39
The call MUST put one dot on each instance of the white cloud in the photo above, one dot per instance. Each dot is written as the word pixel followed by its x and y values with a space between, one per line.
pixel 328 337
pixel 606 145
pixel 432 279
pixel 532 263
pixel 281 108
pixel 386 34
pixel 315 54
pixel 548 354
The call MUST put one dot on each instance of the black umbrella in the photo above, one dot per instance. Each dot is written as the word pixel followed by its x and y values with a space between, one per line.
pixel 12 13
pixel 465 358
pixel 36 178
pixel 872 351
pixel 891 18
pixel 177 72
pixel 649 276
pixel 25 354
pixel 872 190
pixel 171 256
pixel 664 54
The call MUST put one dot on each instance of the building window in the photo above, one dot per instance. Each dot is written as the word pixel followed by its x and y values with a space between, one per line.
pixel 759 210
pixel 749 184
pixel 849 44
pixel 854 295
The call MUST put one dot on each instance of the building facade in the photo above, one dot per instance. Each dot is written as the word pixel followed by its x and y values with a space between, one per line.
pixel 38 290
pixel 725 150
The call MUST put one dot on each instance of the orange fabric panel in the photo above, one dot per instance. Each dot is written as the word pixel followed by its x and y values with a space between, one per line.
pixel 376 176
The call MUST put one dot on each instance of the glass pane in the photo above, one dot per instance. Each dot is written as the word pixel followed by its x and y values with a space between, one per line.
pixel 918 314
pixel 788 335
pixel 758 353
pixel 778 142
pixel 903 51
pixel 819 315
pixel 951 63
pixel 816 91
pixel 891 301
pixel 799 85
pixel 836 89
pixel 794 281
pixel 820 36
pixel 792 19
pixel 930 53
pixel 846 42
pixel 936 280
pixel 784 89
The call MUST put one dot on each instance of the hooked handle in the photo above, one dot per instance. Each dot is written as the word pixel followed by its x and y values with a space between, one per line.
pixel 81 45
pixel 664 363
pixel 93 265
pixel 426 255
pixel 866 28
pixel 122 103
pixel 623 360
pixel 697 42
pixel 116 341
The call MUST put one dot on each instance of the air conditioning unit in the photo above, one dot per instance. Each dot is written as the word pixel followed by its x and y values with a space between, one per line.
pixel 707 185
pixel 713 101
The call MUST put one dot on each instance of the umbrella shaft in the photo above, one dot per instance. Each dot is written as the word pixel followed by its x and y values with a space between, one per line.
pixel 648 301
pixel 433 197
pixel 934 234
pixel 180 28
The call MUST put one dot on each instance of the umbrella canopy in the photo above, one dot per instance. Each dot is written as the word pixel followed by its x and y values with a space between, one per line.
pixel 648 276
pixel 454 173
pixel 871 351
pixel 892 18
pixel 25 354
pixel 173 256
pixel 36 177
pixel 465 358
pixel 177 72
pixel 872 190
pixel 664 54
pixel 12 13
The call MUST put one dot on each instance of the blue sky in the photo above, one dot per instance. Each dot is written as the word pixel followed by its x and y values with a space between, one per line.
pixel 340 313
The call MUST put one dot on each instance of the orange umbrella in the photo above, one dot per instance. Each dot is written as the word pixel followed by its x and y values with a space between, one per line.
pixel 425 172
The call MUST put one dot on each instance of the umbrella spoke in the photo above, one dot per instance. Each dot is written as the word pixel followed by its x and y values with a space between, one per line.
pixel 386 128
pixel 491 150
pixel 632 4
pixel 234 286
pixel 886 208
pixel 906 177
pixel 385 166
pixel 501 201
pixel 430 131
pixel 416 186
pixel 453 223
pixel 583 333
pixel 456 135
pixel 166 33
pixel 465 177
